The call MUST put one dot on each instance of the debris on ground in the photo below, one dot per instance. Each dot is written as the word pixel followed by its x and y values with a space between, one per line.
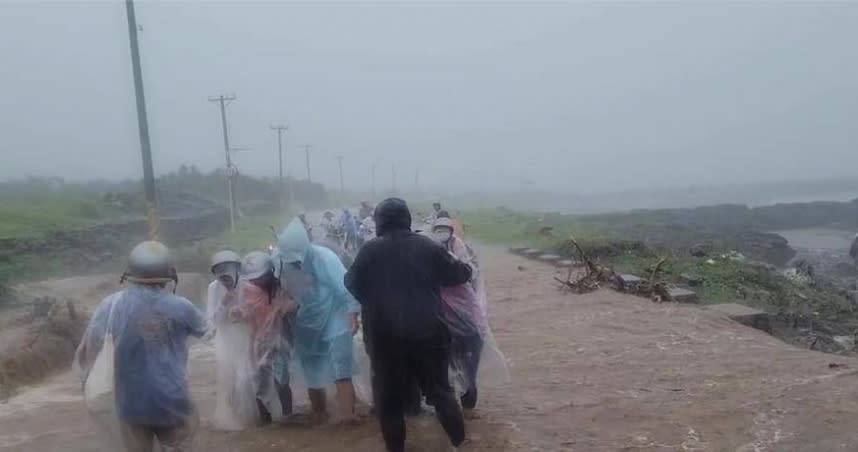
pixel 594 274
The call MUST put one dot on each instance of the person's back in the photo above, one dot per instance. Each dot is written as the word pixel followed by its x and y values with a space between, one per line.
pixel 151 327
pixel 397 277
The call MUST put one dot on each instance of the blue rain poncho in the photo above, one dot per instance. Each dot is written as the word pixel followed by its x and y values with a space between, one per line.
pixel 150 327
pixel 313 276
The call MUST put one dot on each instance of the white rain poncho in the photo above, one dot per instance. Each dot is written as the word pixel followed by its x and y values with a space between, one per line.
pixel 147 328
pixel 313 276
pixel 236 389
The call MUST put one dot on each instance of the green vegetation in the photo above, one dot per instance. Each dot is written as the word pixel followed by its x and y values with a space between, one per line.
pixel 727 275
pixel 33 216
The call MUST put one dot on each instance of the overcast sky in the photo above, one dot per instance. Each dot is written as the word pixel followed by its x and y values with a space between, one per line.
pixel 576 96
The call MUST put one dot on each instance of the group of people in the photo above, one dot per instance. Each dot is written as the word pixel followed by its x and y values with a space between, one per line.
pixel 417 297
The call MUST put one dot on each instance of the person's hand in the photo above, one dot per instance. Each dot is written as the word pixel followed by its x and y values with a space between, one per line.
pixel 236 314
pixel 354 325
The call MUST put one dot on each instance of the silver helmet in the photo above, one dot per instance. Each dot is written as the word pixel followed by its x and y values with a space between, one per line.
pixel 150 262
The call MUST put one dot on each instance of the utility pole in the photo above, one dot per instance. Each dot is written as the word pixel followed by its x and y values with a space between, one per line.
pixel 280 130
pixel 342 186
pixel 307 153
pixel 143 125
pixel 231 172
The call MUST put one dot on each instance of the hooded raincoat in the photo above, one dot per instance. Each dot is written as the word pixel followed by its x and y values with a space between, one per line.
pixel 313 276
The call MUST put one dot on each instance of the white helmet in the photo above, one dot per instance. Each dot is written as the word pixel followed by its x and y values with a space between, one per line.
pixel 256 264
pixel 225 257
pixel 443 222
pixel 150 263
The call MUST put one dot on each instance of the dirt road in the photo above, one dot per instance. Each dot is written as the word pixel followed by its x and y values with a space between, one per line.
pixel 598 372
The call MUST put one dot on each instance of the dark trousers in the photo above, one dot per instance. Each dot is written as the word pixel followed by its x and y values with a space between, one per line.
pixel 465 354
pixel 395 365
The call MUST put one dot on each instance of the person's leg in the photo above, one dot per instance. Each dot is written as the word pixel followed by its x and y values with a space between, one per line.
pixel 473 348
pixel 318 406
pixel 341 362
pixel 179 438
pixel 431 364
pixel 136 438
pixel 346 400
pixel 413 398
pixel 389 383
pixel 281 381
pixel 264 379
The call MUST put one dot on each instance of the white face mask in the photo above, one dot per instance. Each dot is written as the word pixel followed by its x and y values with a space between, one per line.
pixel 443 236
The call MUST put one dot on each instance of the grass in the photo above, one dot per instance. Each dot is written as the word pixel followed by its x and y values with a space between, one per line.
pixel 36 216
pixel 725 279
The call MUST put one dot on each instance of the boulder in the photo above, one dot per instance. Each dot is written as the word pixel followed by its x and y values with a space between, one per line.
pixel 681 295
pixel 745 315
pixel 629 283
pixel 691 279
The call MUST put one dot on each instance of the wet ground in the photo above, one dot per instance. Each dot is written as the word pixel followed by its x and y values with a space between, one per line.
pixel 596 372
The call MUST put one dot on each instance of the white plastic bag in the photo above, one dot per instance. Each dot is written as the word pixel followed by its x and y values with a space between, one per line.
pixel 99 389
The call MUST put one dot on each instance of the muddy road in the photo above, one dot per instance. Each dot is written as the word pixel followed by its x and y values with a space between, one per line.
pixel 596 372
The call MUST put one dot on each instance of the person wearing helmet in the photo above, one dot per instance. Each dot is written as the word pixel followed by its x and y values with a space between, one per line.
pixel 365 211
pixel 436 210
pixel 147 328
pixel 236 406
pixel 325 322
pixel 462 314
pixel 263 304
pixel 397 278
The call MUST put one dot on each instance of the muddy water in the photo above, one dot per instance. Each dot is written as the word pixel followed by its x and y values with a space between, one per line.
pixel 819 238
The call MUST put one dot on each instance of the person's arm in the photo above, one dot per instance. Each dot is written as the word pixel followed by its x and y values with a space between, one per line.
pixel 93 338
pixel 355 276
pixel 192 318
pixel 449 270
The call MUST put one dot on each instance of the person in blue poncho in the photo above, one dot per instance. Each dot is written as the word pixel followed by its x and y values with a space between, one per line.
pixel 326 321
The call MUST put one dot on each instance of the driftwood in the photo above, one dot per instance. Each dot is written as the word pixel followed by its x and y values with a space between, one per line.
pixel 654 287
pixel 592 278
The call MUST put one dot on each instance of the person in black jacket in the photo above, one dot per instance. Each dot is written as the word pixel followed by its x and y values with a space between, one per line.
pixel 397 278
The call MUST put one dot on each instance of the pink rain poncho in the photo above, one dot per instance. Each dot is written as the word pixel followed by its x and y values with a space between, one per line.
pixel 236 388
pixel 264 312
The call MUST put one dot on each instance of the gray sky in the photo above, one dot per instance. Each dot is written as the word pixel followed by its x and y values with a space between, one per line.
pixel 577 96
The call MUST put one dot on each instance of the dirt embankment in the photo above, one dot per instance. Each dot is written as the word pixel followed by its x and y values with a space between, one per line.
pixel 596 372
pixel 39 336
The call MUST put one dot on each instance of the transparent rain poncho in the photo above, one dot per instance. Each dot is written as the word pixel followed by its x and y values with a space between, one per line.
pixel 466 315
pixel 270 349
pixel 236 389
pixel 313 276
pixel 147 382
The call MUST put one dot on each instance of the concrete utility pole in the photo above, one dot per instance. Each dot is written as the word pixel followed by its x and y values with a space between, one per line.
pixel 143 126
pixel 307 153
pixel 342 186
pixel 281 129
pixel 231 171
